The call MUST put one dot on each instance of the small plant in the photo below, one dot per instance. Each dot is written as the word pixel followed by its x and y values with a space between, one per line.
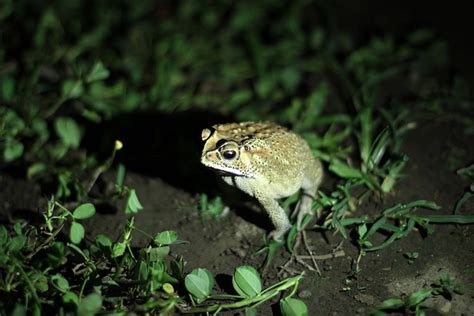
pixel 400 220
pixel 412 304
pixel 248 285
pixel 411 256
pixel 467 172
pixel 213 208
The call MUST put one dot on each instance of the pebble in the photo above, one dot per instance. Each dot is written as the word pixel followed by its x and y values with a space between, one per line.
pixel 305 294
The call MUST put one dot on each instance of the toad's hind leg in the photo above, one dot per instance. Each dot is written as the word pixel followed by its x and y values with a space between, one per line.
pixel 312 179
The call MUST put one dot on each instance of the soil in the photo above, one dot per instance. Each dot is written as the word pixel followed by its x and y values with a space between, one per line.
pixel 167 177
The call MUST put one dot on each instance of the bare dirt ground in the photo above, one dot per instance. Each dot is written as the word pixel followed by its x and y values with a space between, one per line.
pixel 167 176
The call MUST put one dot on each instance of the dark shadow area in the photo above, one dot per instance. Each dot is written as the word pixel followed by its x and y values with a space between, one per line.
pixel 224 281
pixel 157 144
pixel 366 18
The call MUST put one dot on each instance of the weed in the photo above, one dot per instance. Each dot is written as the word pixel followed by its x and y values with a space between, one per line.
pixel 412 304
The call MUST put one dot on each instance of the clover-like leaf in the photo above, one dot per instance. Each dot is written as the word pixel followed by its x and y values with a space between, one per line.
pixel 199 283
pixel 246 281
pixel 293 307
pixel 84 211
pixel 98 72
pixel 68 131
pixel 59 282
pixel 166 237
pixel 76 234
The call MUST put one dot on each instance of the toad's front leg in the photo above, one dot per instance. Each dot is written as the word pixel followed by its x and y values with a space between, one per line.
pixel 278 217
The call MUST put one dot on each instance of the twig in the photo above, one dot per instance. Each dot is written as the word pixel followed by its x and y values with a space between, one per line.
pixel 316 267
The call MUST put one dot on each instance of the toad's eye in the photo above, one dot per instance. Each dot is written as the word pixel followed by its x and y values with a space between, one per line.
pixel 229 154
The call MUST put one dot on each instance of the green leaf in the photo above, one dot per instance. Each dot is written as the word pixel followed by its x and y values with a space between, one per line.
pixel 392 303
pixel 16 243
pixel 343 170
pixel 7 90
pixel 97 73
pixel 159 253
pixel 90 305
pixel 290 78
pixel 72 89
pixel 76 234
pixel 103 241
pixel 199 283
pixel 250 311
pixel 36 169
pixel 246 281
pixel 362 231
pixel 293 307
pixel 19 310
pixel 239 97
pixel 18 229
pixel 118 249
pixel 84 211
pixel 71 297
pixel 3 235
pixel 418 297
pixel 68 131
pixel 290 239
pixel 166 238
pixel 13 150
pixel 40 281
pixel 133 204
pixel 60 283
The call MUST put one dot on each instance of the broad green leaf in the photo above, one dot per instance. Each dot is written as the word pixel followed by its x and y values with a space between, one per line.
pixel 168 288
pixel 72 89
pixel 118 249
pixel 13 150
pixel 60 282
pixel 293 307
pixel 90 305
pixel 76 234
pixel 362 230
pixel 143 271
pixel 98 72
pixel 239 97
pixel 68 131
pixel 36 169
pixel 71 297
pixel 199 283
pixel 40 281
pixel 418 297
pixel 133 204
pixel 7 90
pixel 166 238
pixel 246 281
pixel 103 241
pixel 159 253
pixel 16 243
pixel 392 303
pixel 290 77
pixel 19 310
pixel 84 211
pixel 18 229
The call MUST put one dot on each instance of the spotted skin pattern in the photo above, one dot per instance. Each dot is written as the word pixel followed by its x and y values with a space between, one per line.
pixel 266 161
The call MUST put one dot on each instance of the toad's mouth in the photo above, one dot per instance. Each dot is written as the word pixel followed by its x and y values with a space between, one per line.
pixel 222 170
